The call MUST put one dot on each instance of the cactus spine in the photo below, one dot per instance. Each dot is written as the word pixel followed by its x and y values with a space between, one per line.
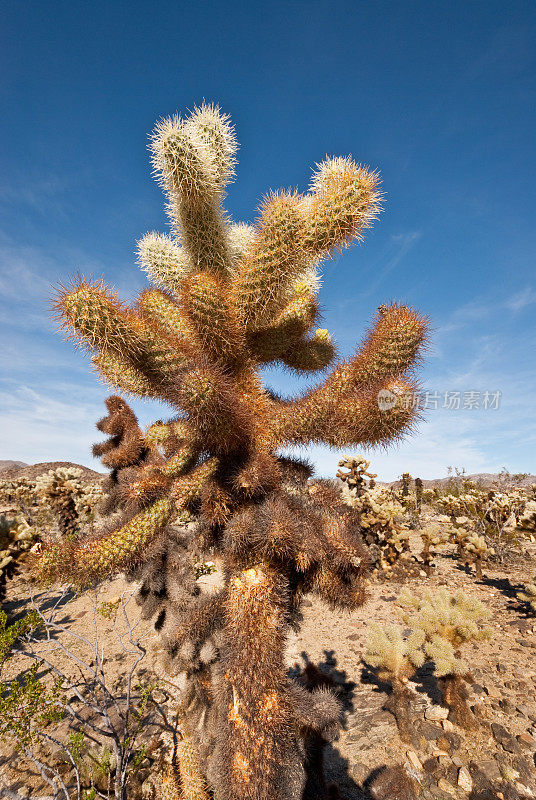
pixel 228 299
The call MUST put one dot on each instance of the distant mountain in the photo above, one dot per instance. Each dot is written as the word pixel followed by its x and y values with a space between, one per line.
pixel 484 479
pixel 17 469
pixel 12 465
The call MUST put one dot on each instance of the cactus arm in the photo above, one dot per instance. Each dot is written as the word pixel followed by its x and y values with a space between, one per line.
pixel 209 125
pixel 343 200
pixel 121 375
pixel 203 300
pixel 160 310
pixel 163 260
pixel 93 559
pixel 98 321
pixel 295 320
pixel 310 355
pixel 189 175
pixel 345 421
pixel 272 264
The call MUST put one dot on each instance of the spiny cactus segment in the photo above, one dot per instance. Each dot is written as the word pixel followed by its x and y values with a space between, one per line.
pixel 226 300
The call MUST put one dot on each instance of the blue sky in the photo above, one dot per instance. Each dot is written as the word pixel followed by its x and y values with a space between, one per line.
pixel 438 96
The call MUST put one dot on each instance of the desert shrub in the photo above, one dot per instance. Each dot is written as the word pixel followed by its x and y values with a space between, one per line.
pixel 78 729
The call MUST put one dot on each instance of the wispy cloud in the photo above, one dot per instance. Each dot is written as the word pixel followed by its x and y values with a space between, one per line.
pixel 401 245
pixel 38 194
pixel 522 299
pixel 40 427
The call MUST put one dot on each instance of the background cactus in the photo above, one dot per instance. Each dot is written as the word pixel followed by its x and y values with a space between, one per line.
pixel 433 535
pixel 477 548
pixel 419 490
pixel 227 300
pixel 405 481
pixel 383 528
pixel 357 472
pixel 60 488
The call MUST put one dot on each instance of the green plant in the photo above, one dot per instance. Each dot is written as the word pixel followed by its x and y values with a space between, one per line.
pixel 230 300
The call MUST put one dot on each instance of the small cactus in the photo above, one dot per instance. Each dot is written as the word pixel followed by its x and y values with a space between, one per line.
pixel 397 657
pixel 433 535
pixel 60 487
pixel 448 622
pixel 528 597
pixel 477 548
pixel 405 483
pixel 419 490
pixel 381 519
pixel 357 472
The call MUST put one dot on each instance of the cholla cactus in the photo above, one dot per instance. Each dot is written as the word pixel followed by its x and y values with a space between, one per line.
pixel 433 535
pixel 459 536
pixel 528 596
pixel 16 537
pixel 381 519
pixel 124 452
pixel 505 509
pixel 405 481
pixel 448 622
pixel 396 545
pixel 419 490
pixel 60 487
pixel 87 502
pixel 527 520
pixel 228 299
pixel 18 494
pixel 477 548
pixel 357 472
pixel 397 657
pixel 451 505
